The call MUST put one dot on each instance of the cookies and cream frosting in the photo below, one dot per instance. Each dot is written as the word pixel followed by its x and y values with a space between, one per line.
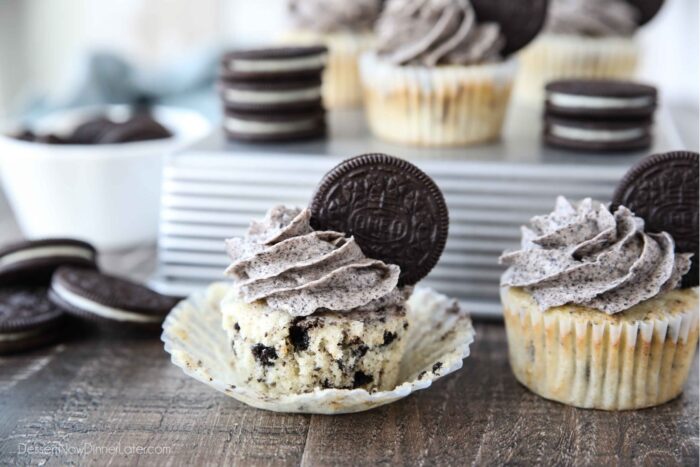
pixel 294 268
pixel 334 15
pixel 436 32
pixel 596 18
pixel 585 255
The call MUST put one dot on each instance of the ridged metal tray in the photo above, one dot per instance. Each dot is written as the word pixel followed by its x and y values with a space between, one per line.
pixel 213 191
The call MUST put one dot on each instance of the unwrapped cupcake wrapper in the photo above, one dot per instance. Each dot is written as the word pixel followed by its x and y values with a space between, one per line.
pixel 341 78
pixel 440 335
pixel 552 57
pixel 438 106
pixel 629 365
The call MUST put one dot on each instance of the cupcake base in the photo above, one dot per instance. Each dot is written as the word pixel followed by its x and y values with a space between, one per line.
pixel 436 107
pixel 440 334
pixel 585 358
pixel 279 353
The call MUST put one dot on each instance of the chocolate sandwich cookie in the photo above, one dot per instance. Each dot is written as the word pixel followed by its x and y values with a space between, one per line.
pixel 264 96
pixel 274 126
pixel 91 131
pixel 606 99
pixel 288 63
pixel 108 299
pixel 395 211
pixel 35 261
pixel 27 319
pixel 519 22
pixel 663 190
pixel 140 127
pixel 648 9
pixel 597 135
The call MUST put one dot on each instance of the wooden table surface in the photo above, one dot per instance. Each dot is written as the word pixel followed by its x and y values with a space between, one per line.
pixel 107 400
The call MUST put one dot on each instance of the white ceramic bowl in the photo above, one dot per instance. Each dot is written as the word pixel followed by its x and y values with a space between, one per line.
pixel 107 194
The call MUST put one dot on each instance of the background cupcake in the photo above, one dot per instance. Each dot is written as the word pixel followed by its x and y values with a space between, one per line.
pixel 593 313
pixel 583 39
pixel 438 76
pixel 345 27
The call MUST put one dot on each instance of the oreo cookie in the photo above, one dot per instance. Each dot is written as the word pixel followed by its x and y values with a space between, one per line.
pixel 274 63
pixel 35 261
pixel 395 211
pixel 520 21
pixel 597 135
pixel 271 96
pixel 91 131
pixel 606 99
pixel 263 127
pixel 648 9
pixel 27 319
pixel 108 299
pixel 663 190
pixel 141 127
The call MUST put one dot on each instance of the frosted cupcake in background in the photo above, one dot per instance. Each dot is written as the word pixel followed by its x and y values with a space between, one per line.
pixel 584 39
pixel 593 312
pixel 438 76
pixel 345 27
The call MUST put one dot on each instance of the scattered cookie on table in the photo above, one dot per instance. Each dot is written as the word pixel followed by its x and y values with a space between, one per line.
pixel 108 299
pixel 27 319
pixel 35 261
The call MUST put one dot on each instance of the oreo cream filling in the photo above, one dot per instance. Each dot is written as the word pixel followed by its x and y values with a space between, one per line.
pixel 47 252
pixel 585 255
pixel 590 134
pixel 597 102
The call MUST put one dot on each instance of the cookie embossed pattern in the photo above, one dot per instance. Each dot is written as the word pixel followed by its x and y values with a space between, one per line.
pixel 394 210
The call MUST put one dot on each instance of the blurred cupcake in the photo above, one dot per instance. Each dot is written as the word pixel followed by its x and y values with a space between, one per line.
pixel 593 313
pixel 345 27
pixel 437 77
pixel 582 39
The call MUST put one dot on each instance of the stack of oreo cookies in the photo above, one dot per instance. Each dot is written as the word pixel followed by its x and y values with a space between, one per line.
pixel 272 95
pixel 599 115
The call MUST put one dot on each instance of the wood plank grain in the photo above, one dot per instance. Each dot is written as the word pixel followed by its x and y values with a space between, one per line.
pixel 482 416
pixel 102 393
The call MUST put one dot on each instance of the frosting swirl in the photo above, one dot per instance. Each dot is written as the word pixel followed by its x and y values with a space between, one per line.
pixel 334 15
pixel 436 32
pixel 583 254
pixel 284 261
pixel 596 18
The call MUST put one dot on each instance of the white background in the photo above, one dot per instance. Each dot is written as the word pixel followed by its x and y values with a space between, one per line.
pixel 42 41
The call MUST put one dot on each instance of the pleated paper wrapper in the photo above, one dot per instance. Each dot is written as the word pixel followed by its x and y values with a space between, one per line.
pixel 440 338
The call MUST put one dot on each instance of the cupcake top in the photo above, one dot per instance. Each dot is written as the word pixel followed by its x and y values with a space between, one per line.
pixel 594 18
pixel 585 255
pixel 436 32
pixel 294 268
pixel 334 15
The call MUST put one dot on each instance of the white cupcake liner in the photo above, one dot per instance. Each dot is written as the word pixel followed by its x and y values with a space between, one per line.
pixel 554 56
pixel 574 359
pixel 439 106
pixel 439 336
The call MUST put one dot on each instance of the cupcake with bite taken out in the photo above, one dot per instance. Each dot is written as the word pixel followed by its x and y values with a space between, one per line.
pixel 594 314
pixel 440 75
pixel 345 27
